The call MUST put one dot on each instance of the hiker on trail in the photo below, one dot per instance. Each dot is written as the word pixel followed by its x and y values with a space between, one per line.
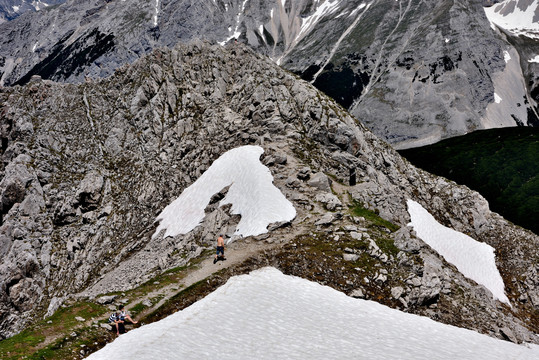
pixel 116 322
pixel 124 315
pixel 220 248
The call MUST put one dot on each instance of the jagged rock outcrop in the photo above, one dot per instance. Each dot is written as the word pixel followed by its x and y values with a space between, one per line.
pixel 411 59
pixel 87 168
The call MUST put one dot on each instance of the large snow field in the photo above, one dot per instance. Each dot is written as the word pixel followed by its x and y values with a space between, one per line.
pixel 251 193
pixel 472 258
pixel 268 315
pixel 517 21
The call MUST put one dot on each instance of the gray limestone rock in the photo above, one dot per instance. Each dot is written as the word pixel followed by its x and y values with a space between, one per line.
pixel 358 293
pixel 304 173
pixel 106 299
pixel 330 201
pixel 397 292
pixel 406 240
pixel 508 334
pixel 350 257
pixel 320 181
pixel 88 194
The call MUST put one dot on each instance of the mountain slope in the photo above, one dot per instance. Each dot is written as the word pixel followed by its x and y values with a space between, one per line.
pixel 87 169
pixel 410 58
pixel 501 164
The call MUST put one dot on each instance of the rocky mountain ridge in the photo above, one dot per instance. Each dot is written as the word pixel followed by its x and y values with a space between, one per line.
pixel 87 168
pixel 411 59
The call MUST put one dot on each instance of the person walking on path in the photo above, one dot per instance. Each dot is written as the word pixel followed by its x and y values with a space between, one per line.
pixel 220 249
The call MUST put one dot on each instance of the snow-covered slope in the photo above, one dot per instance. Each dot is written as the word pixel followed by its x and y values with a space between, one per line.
pixel 519 17
pixel 251 193
pixel 473 259
pixel 267 315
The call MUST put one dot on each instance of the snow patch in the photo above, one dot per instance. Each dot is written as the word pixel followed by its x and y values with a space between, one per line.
pixel 156 13
pixel 267 315
pixel 473 259
pixel 508 85
pixel 251 193
pixel 15 8
pixel 309 22
pixel 446 40
pixel 261 31
pixel 506 56
pixel 534 60
pixel 497 98
pixel 517 21
pixel 361 6
pixel 237 33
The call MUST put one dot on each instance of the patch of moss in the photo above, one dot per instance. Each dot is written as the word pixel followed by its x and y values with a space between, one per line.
pixel 357 209
pixel 387 246
pixel 135 310
pixel 29 343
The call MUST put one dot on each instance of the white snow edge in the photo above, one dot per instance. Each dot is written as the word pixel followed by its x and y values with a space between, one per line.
pixel 251 193
pixel 473 259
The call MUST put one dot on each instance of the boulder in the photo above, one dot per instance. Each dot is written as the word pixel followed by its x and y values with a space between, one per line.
pixel 88 193
pixel 330 201
pixel 304 174
pixel 350 257
pixel 326 220
pixel 508 334
pixel 397 292
pixel 358 293
pixel 320 181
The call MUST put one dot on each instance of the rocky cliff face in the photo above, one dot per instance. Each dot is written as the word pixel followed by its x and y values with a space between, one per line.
pixel 87 168
pixel 412 59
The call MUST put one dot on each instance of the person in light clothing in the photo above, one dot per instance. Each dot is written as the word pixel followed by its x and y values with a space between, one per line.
pixel 220 249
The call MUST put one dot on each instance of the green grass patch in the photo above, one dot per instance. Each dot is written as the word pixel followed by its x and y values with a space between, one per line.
pixel 357 209
pixel 137 309
pixel 28 344
pixel 16 346
pixel 387 246
pixel 185 297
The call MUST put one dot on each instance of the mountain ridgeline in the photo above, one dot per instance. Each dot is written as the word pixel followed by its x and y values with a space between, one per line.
pixel 404 68
pixel 87 168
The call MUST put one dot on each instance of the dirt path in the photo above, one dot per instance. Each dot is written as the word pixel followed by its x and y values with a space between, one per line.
pixel 235 253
